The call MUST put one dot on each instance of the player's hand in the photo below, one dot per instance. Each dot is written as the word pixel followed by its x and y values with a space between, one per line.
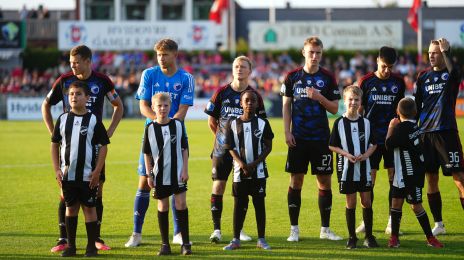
pixel 110 132
pixel 394 122
pixel 184 176
pixel 351 158
pixel 59 177
pixel 150 182
pixel 361 157
pixel 290 139
pixel 94 180
pixel 313 94
pixel 444 44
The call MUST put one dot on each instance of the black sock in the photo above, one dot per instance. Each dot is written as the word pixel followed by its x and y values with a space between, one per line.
pixel 462 202
pixel 396 215
pixel 91 228
pixel 240 209
pixel 99 208
pixel 260 212
pixel 216 210
pixel 425 223
pixel 325 206
pixel 294 204
pixel 183 221
pixel 71 228
pixel 163 223
pixel 435 205
pixel 351 221
pixel 367 217
pixel 390 196
pixel 61 218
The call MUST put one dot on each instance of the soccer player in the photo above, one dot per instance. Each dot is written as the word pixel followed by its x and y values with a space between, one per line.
pixel 225 104
pixel 165 149
pixel 249 140
pixel 100 86
pixel 382 90
pixel 408 181
pixel 164 78
pixel 352 138
pixel 436 93
pixel 78 165
pixel 308 93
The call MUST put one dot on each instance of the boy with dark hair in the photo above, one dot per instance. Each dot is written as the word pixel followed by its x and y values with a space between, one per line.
pixel 352 139
pixel 165 149
pixel 77 166
pixel 408 181
pixel 382 90
pixel 249 141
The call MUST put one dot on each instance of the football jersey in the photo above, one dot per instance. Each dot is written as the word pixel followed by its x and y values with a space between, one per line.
pixel 407 154
pixel 309 118
pixel 179 86
pixel 225 104
pixel 100 87
pixel 435 95
pixel 380 100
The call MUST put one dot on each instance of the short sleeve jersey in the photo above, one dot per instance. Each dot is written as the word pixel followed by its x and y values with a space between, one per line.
pixel 179 86
pixel 309 118
pixel 100 86
pixel 225 104
pixel 380 100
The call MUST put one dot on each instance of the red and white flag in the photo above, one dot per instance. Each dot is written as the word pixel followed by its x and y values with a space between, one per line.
pixel 413 20
pixel 215 14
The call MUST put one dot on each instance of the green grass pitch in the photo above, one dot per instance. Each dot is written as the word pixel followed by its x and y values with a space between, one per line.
pixel 29 199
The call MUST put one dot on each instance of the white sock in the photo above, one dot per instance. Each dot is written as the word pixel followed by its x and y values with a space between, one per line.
pixel 294 228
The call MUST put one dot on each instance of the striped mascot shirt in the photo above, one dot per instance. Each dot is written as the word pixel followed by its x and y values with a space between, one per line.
pixel 165 142
pixel 77 136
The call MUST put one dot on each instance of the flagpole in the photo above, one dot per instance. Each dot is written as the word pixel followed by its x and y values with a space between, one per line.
pixel 419 34
pixel 232 40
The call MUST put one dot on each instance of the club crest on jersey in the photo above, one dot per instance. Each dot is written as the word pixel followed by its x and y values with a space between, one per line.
pixel 435 79
pixel 361 136
pixel 258 133
pixel 394 89
pixel 237 101
pixel 320 83
pixel 384 88
pixel 94 89
pixel 83 130
pixel 177 86
pixel 167 84
pixel 173 138
pixel 309 82
pixel 445 76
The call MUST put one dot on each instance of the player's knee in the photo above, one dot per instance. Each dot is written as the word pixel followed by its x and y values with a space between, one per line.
pixel 296 181
pixel 218 187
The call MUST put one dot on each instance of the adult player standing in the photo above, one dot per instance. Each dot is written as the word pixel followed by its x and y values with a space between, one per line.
pixel 308 93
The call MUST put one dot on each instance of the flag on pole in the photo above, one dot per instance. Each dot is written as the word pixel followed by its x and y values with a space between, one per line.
pixel 215 14
pixel 413 20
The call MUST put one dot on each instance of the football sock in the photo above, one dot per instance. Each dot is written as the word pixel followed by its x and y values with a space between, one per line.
pixel 351 221
pixel 175 218
pixel 99 208
pixel 91 228
pixel 367 217
pixel 71 228
pixel 294 204
pixel 260 214
pixel 435 205
pixel 184 225
pixel 390 195
pixel 142 200
pixel 425 223
pixel 240 209
pixel 216 210
pixel 396 215
pixel 61 218
pixel 163 222
pixel 325 206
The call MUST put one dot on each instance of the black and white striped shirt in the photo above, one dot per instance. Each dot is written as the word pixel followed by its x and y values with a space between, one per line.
pixel 247 138
pixel 165 142
pixel 354 137
pixel 407 155
pixel 77 136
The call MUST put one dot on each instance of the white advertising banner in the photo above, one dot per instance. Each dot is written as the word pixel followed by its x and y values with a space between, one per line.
pixel 123 36
pixel 29 108
pixel 346 35
pixel 452 30
pixel 197 111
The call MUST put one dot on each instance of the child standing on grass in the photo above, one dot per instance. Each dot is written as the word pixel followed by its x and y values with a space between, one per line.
pixel 408 181
pixel 165 149
pixel 249 141
pixel 77 165
pixel 353 141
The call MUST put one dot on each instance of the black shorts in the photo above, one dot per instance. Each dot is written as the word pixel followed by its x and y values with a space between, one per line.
pixel 222 166
pixel 74 192
pixel 442 149
pixel 164 191
pixel 252 187
pixel 376 157
pixel 350 187
pixel 412 195
pixel 315 152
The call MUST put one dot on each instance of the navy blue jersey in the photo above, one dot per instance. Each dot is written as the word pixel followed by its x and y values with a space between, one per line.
pixel 435 95
pixel 309 118
pixel 99 84
pixel 225 104
pixel 380 100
